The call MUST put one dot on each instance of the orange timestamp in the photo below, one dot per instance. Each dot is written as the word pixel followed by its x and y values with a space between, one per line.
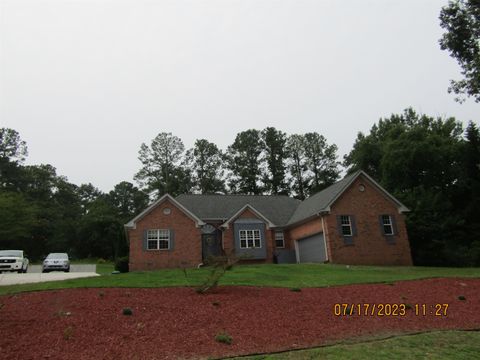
pixel 389 309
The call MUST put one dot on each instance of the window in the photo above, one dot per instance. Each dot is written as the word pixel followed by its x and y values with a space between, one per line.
pixel 279 239
pixel 158 239
pixel 250 239
pixel 346 225
pixel 387 225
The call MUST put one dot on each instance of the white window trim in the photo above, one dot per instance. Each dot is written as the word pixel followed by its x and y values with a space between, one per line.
pixel 349 224
pixel 282 239
pixel 159 238
pixel 253 239
pixel 390 223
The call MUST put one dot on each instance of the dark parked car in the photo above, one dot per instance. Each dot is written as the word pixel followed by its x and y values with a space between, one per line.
pixel 56 261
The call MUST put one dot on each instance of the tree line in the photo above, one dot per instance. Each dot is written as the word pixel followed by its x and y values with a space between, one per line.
pixel 258 162
pixel 430 164
pixel 43 212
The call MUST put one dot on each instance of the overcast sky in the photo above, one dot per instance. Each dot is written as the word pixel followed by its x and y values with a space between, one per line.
pixel 86 82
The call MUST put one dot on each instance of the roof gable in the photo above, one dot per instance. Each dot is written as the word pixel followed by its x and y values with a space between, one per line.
pixel 252 209
pixel 132 223
pixel 323 200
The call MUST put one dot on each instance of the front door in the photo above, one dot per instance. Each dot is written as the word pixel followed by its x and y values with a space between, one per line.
pixel 211 245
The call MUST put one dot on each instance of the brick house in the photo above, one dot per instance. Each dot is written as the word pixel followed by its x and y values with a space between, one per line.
pixel 354 221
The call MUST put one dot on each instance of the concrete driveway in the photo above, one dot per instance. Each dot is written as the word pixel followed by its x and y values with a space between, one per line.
pixel 35 275
pixel 73 268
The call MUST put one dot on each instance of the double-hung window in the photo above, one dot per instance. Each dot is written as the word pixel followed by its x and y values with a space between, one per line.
pixel 158 239
pixel 346 225
pixel 387 225
pixel 250 239
pixel 279 239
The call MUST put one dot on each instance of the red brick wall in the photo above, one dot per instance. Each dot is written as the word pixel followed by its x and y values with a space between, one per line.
pixel 308 228
pixel 370 246
pixel 187 249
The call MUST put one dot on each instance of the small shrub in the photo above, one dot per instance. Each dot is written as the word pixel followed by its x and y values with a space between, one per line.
pixel 462 298
pixel 224 338
pixel 127 311
pixel 408 306
pixel 101 261
pixel 68 333
pixel 121 264
pixel 62 313
pixel 295 289
pixel 219 265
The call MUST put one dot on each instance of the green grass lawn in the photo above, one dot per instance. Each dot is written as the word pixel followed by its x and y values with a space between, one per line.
pixel 434 345
pixel 292 275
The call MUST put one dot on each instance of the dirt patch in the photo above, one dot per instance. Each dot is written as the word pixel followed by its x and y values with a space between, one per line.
pixel 171 323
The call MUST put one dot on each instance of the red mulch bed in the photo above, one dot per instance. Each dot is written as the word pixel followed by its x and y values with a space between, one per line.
pixel 170 323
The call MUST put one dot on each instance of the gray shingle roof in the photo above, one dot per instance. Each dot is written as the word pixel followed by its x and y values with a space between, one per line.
pixel 280 210
pixel 277 209
pixel 321 200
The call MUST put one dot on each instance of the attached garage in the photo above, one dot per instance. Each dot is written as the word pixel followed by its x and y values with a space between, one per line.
pixel 311 249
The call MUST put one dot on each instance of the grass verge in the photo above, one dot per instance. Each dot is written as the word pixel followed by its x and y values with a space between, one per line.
pixel 289 276
pixel 433 345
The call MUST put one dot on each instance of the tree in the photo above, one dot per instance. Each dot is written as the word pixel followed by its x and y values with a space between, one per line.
pixel 17 221
pixel 297 165
pixel 274 142
pixel 420 159
pixel 13 151
pixel 161 172
pixel 12 148
pixel 205 162
pixel 101 231
pixel 461 20
pixel 321 161
pixel 87 194
pixel 128 200
pixel 245 163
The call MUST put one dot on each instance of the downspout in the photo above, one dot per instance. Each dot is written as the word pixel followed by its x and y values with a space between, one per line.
pixel 325 237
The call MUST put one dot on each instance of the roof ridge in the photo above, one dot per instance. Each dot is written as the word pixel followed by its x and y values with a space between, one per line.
pixel 249 195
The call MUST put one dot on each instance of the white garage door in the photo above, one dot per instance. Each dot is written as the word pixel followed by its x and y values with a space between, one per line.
pixel 312 249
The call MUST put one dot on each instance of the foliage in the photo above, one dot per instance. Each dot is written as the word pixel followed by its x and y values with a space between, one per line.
pixel 274 177
pixel 312 163
pixel 205 162
pixel 161 172
pixel 245 163
pixel 17 221
pixel 297 165
pixel 219 265
pixel 461 21
pixel 223 338
pixel 127 311
pixel 127 199
pixel 428 165
pixel 121 264
pixel 12 148
pixel 321 162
